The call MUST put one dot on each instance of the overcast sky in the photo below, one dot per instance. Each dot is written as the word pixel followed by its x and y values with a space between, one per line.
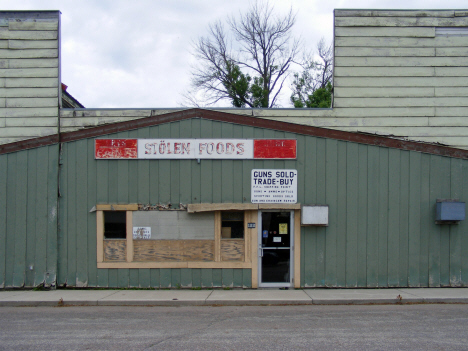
pixel 122 53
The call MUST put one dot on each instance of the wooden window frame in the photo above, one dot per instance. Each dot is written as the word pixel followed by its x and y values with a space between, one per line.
pixel 250 239
pixel 129 263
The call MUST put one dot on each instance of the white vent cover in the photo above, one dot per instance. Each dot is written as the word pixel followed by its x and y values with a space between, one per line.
pixel 314 215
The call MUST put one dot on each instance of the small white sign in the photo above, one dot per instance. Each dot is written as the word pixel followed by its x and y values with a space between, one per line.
pixel 274 186
pixel 141 232
pixel 195 148
pixel 276 239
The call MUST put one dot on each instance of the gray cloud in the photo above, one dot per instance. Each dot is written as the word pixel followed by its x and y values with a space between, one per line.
pixel 124 53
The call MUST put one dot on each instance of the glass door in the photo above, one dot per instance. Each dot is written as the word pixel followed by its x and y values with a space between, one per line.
pixel 275 241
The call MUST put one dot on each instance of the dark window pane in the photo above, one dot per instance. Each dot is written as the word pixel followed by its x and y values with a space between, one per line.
pixel 115 225
pixel 232 225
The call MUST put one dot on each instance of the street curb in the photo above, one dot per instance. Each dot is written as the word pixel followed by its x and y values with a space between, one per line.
pixel 181 303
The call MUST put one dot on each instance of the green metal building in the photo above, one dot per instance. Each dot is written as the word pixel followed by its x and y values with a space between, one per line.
pixel 71 218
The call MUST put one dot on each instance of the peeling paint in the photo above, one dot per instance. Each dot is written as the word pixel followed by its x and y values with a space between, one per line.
pixel 53 213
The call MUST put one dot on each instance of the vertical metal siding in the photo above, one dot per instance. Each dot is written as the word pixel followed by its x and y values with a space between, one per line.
pixel 381 233
pixel 28 216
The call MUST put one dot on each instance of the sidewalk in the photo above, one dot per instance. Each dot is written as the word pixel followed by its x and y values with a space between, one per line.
pixel 64 297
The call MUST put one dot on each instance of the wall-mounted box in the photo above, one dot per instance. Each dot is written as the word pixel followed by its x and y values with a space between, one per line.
pixel 314 215
pixel 449 211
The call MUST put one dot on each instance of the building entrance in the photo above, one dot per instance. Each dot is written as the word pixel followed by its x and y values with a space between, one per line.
pixel 275 243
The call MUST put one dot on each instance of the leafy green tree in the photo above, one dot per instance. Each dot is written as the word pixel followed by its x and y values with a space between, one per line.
pixel 313 87
pixel 253 73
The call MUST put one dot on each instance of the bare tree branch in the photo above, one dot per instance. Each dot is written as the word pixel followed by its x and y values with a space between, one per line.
pixel 255 72
pixel 317 76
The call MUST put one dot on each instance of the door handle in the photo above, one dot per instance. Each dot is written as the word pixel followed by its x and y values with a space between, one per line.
pixel 260 252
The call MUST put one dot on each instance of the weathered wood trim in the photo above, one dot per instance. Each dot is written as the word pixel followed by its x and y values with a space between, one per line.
pixel 217 249
pixel 129 231
pixel 410 32
pixel 254 249
pixel 226 264
pixel 117 207
pixel 247 236
pixel 206 207
pixel 100 236
pixel 401 22
pixel 376 52
pixel 297 248
pixel 174 265
pixel 279 206
pixel 393 13
pixel 142 265
pixel 395 71
pixel 390 62
pixel 36 25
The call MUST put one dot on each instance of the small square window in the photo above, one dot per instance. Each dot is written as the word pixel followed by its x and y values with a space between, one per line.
pixel 232 225
pixel 115 225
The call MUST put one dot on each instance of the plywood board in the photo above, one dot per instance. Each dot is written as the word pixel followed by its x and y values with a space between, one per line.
pixel 115 250
pixel 232 250
pixel 173 250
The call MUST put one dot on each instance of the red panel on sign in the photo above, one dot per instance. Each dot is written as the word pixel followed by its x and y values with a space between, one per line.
pixel 116 148
pixel 275 148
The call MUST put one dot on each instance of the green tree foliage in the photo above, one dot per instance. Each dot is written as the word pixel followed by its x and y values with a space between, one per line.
pixel 248 64
pixel 313 87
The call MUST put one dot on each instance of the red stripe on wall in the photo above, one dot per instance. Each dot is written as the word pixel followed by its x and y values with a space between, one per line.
pixel 116 148
pixel 275 148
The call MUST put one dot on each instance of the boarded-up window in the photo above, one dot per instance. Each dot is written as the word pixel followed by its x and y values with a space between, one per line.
pixel 176 225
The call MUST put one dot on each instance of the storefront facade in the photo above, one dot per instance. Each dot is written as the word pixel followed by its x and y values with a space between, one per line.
pixel 363 213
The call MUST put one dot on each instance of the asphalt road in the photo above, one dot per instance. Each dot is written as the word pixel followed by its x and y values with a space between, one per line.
pixel 387 327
